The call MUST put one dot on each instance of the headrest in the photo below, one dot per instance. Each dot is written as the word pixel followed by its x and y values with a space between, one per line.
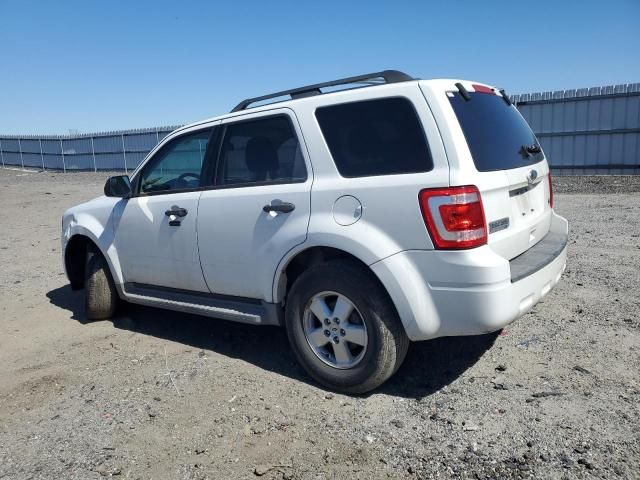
pixel 261 157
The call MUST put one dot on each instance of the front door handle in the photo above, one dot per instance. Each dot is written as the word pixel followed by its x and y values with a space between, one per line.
pixel 279 207
pixel 177 211
pixel 173 213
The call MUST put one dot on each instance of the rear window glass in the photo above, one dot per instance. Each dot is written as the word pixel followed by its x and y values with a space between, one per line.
pixel 497 135
pixel 375 137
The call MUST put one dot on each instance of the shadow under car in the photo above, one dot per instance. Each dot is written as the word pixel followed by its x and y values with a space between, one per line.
pixel 429 366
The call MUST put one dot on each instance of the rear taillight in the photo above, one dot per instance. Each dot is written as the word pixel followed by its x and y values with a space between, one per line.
pixel 454 217
pixel 550 191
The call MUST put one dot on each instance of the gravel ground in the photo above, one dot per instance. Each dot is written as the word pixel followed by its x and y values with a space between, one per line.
pixel 155 394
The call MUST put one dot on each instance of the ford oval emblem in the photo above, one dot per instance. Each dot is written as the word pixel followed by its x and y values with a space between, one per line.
pixel 531 176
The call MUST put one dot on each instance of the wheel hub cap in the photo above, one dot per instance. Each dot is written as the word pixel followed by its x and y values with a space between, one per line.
pixel 335 330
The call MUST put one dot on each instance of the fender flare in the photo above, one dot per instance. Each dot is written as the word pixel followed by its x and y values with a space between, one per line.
pixel 102 238
pixel 345 244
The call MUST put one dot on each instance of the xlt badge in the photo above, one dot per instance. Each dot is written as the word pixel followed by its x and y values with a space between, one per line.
pixel 498 225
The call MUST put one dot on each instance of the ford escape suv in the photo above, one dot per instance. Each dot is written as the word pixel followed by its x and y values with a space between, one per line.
pixel 361 214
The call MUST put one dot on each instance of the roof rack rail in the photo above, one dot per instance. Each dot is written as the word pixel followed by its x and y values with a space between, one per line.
pixel 389 76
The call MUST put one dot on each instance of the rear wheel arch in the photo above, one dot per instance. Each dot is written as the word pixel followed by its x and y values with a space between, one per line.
pixel 309 257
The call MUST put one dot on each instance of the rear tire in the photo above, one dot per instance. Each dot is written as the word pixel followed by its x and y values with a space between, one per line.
pixel 101 297
pixel 379 345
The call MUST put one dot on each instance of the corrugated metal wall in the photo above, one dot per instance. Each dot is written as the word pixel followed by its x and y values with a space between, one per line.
pixel 122 150
pixel 588 131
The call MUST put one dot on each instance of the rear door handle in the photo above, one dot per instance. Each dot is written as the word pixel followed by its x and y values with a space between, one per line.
pixel 177 211
pixel 279 207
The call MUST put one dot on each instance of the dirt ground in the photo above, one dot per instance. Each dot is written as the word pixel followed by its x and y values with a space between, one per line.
pixel 156 394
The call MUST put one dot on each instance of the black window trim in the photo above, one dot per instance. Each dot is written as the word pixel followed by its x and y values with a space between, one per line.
pixel 373 99
pixel 151 161
pixel 212 157
pixel 212 178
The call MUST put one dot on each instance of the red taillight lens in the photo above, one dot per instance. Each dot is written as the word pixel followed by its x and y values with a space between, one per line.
pixel 457 218
pixel 550 191
pixel 454 217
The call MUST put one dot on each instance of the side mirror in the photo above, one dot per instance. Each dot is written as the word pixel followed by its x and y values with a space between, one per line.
pixel 118 186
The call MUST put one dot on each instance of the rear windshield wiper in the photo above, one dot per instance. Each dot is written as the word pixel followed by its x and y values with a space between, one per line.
pixel 535 148
pixel 506 98
pixel 527 150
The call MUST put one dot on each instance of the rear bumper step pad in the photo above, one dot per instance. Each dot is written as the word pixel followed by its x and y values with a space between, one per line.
pixel 538 256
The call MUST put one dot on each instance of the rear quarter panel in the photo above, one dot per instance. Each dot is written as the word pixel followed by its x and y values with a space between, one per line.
pixel 391 220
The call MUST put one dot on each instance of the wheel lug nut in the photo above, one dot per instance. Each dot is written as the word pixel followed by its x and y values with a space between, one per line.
pixel 342 332
pixel 327 321
pixel 337 320
pixel 336 339
pixel 327 333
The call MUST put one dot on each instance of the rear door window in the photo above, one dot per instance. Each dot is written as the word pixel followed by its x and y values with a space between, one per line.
pixel 261 151
pixel 497 135
pixel 375 137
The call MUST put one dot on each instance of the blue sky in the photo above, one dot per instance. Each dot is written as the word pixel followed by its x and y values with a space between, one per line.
pixel 106 65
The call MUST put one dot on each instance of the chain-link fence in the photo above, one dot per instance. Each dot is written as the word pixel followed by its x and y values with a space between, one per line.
pixel 584 131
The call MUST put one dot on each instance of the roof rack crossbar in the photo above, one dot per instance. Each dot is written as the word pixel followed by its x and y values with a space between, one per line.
pixel 389 76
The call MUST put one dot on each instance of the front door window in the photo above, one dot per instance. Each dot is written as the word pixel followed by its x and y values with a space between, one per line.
pixel 178 166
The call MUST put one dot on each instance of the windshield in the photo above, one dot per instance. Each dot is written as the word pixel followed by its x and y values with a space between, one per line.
pixel 497 135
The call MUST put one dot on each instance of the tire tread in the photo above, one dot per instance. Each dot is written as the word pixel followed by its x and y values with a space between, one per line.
pixel 394 342
pixel 101 297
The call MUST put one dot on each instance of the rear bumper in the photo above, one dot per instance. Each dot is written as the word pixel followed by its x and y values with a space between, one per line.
pixel 470 292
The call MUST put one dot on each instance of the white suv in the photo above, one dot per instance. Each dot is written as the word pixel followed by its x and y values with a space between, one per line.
pixel 358 218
